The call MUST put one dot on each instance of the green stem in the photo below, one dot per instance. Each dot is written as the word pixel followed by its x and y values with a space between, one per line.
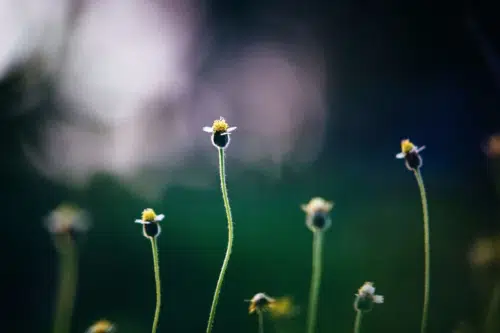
pixel 261 321
pixel 357 322
pixel 315 280
pixel 420 181
pixel 489 322
pixel 68 272
pixel 225 198
pixel 156 264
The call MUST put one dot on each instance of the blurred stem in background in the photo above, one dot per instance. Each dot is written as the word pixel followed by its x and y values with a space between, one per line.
pixel 315 279
pixel 68 271
pixel 495 165
pixel 492 150
pixel 357 322
pixel 490 323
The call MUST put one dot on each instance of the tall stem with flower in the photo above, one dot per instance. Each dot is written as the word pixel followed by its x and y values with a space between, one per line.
pixel 413 162
pixel 151 230
pixel 220 137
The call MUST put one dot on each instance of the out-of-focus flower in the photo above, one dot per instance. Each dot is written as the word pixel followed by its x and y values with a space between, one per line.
pixel 67 219
pixel 276 307
pixel 102 326
pixel 492 148
pixel 485 251
pixel 317 214
pixel 365 298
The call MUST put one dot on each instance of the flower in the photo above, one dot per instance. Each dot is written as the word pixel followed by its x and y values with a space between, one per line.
pixel 411 154
pixel 220 131
pixel 259 301
pixel 102 326
pixel 365 298
pixel 317 211
pixel 485 252
pixel 277 307
pixel 67 219
pixel 492 148
pixel 149 220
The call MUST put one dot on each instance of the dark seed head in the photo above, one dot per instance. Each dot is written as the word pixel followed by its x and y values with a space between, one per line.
pixel 151 229
pixel 319 221
pixel 219 140
pixel 364 304
pixel 413 161
pixel 261 302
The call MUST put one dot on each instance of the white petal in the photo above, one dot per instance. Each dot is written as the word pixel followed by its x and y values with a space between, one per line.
pixel 379 299
pixel 142 222
pixel 207 129
pixel 225 133
pixel 230 129
pixel 400 155
pixel 51 225
pixel 367 288
pixel 420 149
pixel 222 118
pixel 159 217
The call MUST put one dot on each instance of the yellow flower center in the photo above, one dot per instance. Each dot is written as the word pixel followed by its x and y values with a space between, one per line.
pixel 406 146
pixel 220 125
pixel 148 215
pixel 66 214
pixel 67 209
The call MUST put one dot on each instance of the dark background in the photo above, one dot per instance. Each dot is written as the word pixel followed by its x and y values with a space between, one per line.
pixel 402 68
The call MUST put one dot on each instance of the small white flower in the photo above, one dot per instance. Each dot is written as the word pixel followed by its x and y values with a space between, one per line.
pixel 260 297
pixel 158 218
pixel 317 204
pixel 150 223
pixel 149 216
pixel 365 298
pixel 102 326
pixel 317 214
pixel 67 218
pixel 367 289
pixel 220 131
pixel 408 147
pixel 411 154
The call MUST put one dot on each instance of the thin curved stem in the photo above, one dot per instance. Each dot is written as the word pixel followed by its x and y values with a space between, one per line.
pixel 68 273
pixel 489 322
pixel 357 322
pixel 156 265
pixel 315 280
pixel 225 198
pixel 427 250
pixel 260 315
